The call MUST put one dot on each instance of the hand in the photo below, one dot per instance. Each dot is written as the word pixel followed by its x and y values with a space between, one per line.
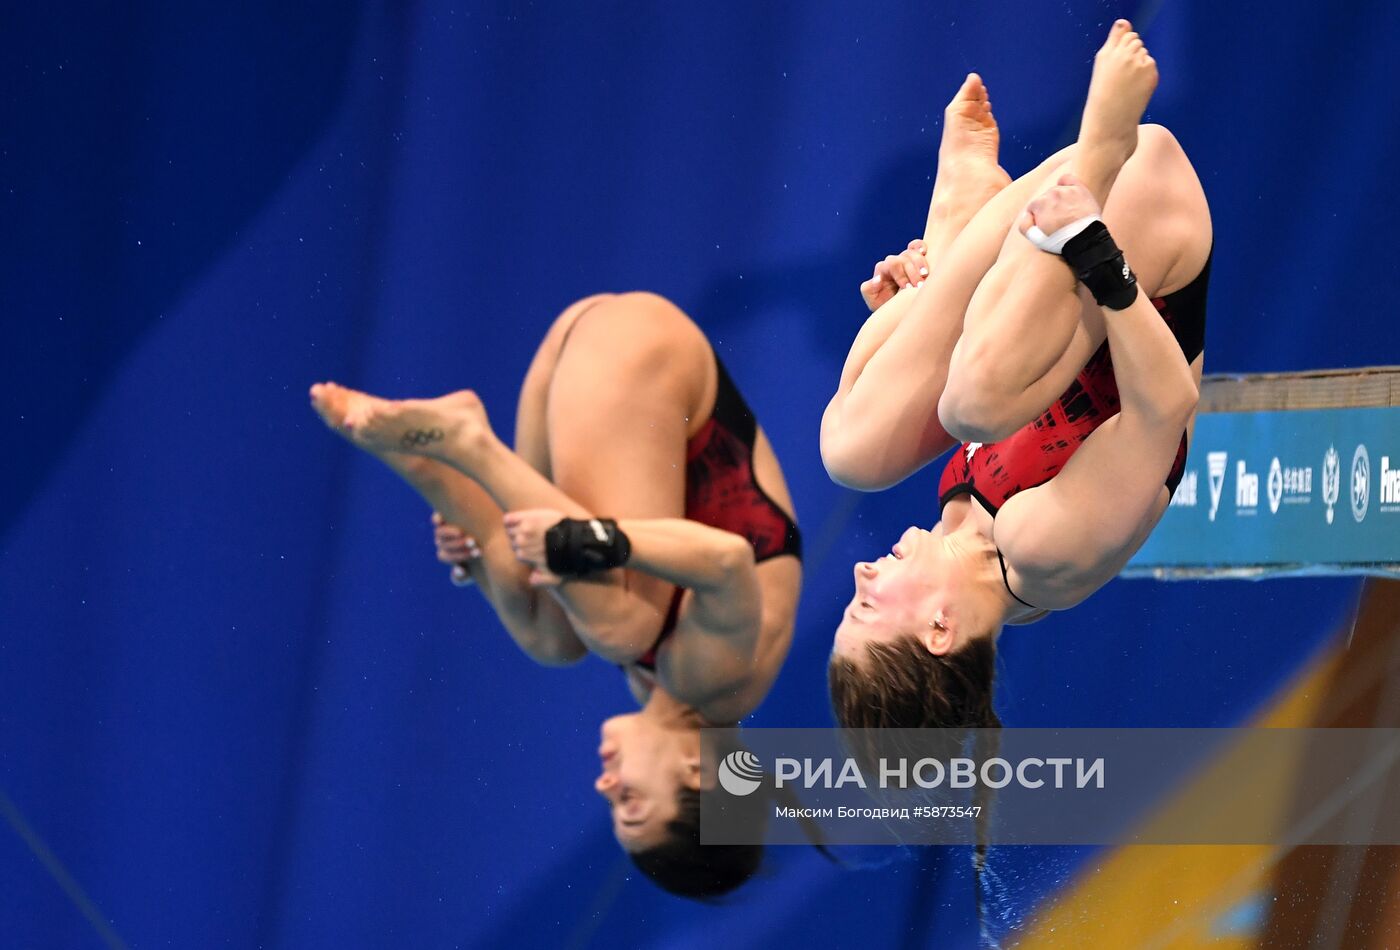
pixel 526 530
pixel 457 548
pixel 894 273
pixel 1068 201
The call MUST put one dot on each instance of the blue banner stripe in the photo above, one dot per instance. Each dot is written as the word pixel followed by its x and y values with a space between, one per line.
pixel 1317 487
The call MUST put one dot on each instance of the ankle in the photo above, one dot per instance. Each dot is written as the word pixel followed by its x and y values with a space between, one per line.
pixel 473 450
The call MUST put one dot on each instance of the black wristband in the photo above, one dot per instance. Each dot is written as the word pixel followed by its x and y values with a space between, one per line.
pixel 574 547
pixel 1098 263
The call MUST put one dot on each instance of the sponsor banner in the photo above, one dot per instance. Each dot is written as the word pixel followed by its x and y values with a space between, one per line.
pixel 1316 487
pixel 1051 786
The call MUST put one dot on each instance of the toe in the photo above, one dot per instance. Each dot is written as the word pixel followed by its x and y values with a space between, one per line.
pixel 972 89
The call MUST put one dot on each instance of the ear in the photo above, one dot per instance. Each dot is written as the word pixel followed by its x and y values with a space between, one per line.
pixel 937 640
pixel 690 770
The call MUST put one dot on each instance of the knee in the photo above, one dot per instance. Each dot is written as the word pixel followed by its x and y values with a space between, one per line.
pixel 1156 137
pixel 557 652
pixel 972 408
pixel 638 333
pixel 849 463
pixel 1157 146
pixel 644 317
pixel 852 470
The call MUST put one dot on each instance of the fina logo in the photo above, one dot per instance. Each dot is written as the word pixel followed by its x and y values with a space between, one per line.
pixel 1360 482
pixel 740 773
pixel 1331 479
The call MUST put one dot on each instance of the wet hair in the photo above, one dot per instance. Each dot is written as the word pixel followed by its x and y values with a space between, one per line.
pixel 901 685
pixel 686 868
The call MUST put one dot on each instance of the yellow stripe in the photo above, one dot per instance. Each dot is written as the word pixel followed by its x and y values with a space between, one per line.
pixel 1172 896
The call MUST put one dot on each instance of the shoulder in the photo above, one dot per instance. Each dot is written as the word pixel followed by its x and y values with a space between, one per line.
pixel 1051 556
pixel 1041 570
pixel 727 670
pixel 1056 554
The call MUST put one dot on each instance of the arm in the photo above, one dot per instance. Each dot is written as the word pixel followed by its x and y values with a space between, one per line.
pixel 534 621
pixel 842 448
pixel 593 403
pixel 1068 537
pixel 1029 330
pixel 883 424
pixel 715 661
pixel 536 624
pixel 716 566
pixel 890 294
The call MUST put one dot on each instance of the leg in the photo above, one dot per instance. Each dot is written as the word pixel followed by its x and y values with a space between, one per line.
pixel 869 437
pixel 1060 536
pixel 625 391
pixel 534 621
pixel 968 174
pixel 531 422
pixel 1029 327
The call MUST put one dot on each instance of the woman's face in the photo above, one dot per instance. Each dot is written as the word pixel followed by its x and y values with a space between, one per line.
pixel 911 589
pixel 644 766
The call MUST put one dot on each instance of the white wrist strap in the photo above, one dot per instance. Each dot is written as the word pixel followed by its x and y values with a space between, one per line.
pixel 1055 243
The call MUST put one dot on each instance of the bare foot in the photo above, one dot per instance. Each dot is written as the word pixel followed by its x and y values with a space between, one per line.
pixel 970 132
pixel 968 173
pixel 450 428
pixel 1125 76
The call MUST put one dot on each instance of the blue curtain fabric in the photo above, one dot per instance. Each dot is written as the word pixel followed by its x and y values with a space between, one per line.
pixel 239 702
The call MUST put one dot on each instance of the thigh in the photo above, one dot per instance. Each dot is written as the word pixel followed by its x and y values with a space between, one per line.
pixel 1157 214
pixel 531 412
pixel 982 245
pixel 633 383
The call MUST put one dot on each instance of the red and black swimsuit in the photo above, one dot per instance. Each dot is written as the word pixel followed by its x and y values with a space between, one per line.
pixel 993 472
pixel 722 492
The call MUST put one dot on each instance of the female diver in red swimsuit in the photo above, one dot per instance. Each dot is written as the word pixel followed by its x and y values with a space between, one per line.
pixel 1014 302
pixel 625 413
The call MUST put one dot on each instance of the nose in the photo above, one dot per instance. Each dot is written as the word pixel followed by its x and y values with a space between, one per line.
pixel 605 783
pixel 865 569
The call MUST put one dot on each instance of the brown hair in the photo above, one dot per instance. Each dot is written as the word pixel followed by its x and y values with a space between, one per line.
pixel 686 868
pixel 901 685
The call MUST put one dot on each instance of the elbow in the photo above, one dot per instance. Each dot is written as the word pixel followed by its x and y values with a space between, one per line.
pixel 1178 404
pixel 1182 412
pixel 734 556
pixel 1190 400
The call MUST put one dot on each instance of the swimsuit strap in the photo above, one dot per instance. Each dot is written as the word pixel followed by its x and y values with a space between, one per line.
pixel 1005 580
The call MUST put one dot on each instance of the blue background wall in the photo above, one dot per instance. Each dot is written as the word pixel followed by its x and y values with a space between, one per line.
pixel 238 699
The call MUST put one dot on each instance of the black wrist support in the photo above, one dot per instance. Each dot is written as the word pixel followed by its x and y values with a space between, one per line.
pixel 574 546
pixel 1098 263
